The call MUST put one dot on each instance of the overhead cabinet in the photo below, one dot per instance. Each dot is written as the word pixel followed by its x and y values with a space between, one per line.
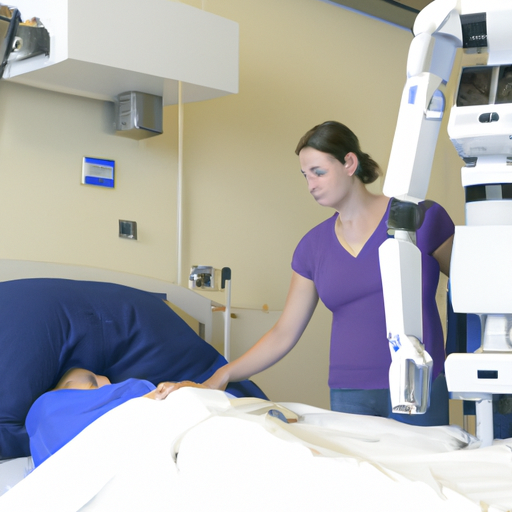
pixel 99 49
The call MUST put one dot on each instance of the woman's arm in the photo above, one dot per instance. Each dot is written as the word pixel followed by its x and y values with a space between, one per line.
pixel 443 255
pixel 276 343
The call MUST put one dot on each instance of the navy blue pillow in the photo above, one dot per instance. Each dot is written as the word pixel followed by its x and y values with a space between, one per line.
pixel 48 326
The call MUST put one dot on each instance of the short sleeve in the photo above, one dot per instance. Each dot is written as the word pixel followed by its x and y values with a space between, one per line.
pixel 301 259
pixel 435 230
pixel 312 248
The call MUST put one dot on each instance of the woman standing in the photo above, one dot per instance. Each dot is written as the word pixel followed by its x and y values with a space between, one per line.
pixel 338 262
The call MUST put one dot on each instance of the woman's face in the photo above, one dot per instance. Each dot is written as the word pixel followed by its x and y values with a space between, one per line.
pixel 328 179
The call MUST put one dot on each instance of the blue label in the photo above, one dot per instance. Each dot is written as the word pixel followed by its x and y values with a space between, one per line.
pixel 394 341
pixel 98 171
pixel 412 94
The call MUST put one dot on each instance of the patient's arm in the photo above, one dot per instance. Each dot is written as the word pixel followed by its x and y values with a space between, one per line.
pixel 273 346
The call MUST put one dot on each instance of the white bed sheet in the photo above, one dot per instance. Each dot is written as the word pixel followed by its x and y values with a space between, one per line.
pixel 14 470
pixel 199 451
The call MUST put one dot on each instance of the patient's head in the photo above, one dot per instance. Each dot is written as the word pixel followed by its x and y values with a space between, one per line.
pixel 79 378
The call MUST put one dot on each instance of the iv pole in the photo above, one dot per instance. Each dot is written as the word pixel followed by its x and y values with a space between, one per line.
pixel 226 283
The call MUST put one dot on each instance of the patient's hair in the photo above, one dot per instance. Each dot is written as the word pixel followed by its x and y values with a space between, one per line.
pixel 337 140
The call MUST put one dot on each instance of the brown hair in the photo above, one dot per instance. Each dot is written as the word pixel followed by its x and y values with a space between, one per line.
pixel 337 140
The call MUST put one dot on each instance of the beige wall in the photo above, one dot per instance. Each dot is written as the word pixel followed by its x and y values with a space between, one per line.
pixel 245 203
pixel 47 215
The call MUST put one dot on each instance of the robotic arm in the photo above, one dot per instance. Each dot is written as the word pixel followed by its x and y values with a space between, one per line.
pixel 430 61
pixel 410 373
pixel 480 127
pixel 429 65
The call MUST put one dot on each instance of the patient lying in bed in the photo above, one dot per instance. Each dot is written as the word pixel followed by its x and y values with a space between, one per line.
pixel 155 455
pixel 80 398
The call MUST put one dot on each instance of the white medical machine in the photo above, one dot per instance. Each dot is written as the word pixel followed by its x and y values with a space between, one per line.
pixel 480 127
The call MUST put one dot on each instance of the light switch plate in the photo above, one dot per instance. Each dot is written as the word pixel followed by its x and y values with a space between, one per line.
pixel 128 229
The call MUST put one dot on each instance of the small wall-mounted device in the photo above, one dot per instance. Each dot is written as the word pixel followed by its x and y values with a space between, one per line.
pixel 128 229
pixel 138 115
pixel 97 171
pixel 213 279
pixel 202 277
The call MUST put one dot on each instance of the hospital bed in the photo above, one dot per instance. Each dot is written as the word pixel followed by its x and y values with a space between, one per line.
pixel 54 317
pixel 204 449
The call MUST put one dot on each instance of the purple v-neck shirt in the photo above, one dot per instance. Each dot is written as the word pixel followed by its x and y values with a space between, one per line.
pixel 351 288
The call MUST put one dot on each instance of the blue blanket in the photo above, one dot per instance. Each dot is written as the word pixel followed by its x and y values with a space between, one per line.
pixel 58 416
pixel 48 326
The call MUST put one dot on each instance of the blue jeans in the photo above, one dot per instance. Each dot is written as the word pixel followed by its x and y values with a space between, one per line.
pixel 377 402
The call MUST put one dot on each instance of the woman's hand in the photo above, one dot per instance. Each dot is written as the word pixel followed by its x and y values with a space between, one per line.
pixel 276 343
pixel 164 389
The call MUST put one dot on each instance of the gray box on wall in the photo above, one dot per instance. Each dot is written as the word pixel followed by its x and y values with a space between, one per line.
pixel 138 115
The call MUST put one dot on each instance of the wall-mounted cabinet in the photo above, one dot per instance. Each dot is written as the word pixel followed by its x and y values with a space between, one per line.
pixel 99 49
